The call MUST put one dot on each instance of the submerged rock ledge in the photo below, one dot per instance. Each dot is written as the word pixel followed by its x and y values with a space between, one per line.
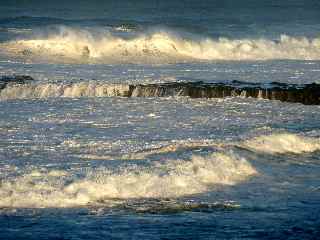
pixel 308 94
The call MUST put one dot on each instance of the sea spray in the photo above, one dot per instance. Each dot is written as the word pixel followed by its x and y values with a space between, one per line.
pixel 159 46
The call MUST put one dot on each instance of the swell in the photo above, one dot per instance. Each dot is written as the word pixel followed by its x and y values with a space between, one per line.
pixel 52 23
pixel 158 46
pixel 24 87
pixel 28 20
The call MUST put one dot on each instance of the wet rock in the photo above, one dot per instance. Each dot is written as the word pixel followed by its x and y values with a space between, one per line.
pixel 308 94
pixel 18 79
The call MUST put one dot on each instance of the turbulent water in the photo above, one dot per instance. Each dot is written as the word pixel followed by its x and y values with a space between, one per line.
pixel 79 159
pixel 160 46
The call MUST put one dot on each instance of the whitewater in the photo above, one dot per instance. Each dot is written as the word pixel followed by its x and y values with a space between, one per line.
pixel 103 46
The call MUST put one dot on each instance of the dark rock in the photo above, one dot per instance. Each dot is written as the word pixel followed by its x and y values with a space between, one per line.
pixel 18 79
pixel 308 94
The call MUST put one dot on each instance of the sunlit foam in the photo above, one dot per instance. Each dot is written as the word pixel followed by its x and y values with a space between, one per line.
pixel 158 47
pixel 74 90
pixel 171 179
pixel 283 143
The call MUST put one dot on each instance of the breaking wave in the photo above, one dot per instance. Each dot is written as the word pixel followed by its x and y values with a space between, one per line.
pixel 81 45
pixel 171 179
pixel 283 143
pixel 73 90
pixel 168 179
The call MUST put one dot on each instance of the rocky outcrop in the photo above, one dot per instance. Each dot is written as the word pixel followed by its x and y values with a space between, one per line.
pixel 308 94
pixel 19 79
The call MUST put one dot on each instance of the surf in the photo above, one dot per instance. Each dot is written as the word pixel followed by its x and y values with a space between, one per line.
pixel 25 87
pixel 156 46
pixel 169 179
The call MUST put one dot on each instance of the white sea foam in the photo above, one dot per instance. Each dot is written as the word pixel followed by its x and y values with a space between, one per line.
pixel 283 143
pixel 163 180
pixel 75 90
pixel 158 47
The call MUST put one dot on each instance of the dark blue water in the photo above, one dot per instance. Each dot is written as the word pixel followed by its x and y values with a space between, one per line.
pixel 215 18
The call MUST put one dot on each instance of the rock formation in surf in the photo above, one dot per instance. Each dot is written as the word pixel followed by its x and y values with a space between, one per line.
pixel 308 94
pixel 19 79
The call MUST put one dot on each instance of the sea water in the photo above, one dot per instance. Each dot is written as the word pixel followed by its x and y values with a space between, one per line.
pixel 78 161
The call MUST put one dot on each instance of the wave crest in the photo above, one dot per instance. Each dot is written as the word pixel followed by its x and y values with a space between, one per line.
pixel 164 180
pixel 283 143
pixel 157 47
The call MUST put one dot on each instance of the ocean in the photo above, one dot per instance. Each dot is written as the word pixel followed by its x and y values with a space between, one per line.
pixel 159 119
